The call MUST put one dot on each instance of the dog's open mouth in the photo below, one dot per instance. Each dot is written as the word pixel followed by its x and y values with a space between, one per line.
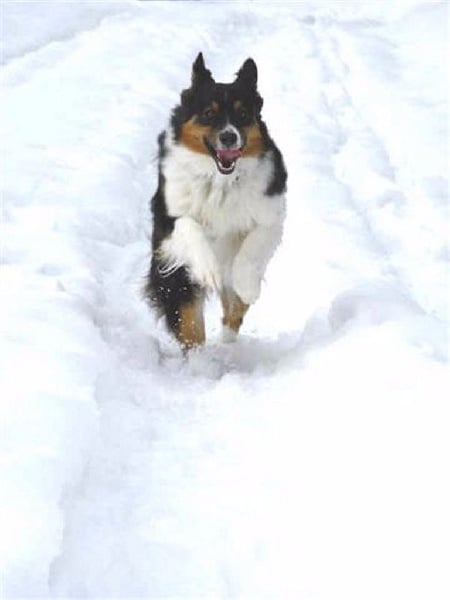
pixel 226 160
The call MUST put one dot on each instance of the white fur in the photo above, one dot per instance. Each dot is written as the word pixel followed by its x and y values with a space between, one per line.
pixel 251 261
pixel 188 245
pixel 228 228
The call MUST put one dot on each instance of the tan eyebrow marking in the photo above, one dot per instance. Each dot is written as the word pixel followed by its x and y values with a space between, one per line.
pixel 237 104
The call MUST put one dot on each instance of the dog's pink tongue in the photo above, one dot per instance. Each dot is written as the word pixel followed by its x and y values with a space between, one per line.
pixel 229 155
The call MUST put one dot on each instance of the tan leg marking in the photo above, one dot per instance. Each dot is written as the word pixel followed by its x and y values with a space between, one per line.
pixel 233 310
pixel 191 330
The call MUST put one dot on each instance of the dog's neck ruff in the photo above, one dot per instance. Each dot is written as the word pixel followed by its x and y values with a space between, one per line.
pixel 221 203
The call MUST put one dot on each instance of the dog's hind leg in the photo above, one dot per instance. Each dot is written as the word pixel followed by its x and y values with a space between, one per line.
pixel 190 324
pixel 234 310
pixel 179 300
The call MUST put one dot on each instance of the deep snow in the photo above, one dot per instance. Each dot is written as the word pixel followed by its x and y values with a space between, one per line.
pixel 311 458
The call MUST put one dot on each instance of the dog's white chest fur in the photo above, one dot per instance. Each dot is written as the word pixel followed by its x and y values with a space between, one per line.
pixel 222 204
pixel 226 226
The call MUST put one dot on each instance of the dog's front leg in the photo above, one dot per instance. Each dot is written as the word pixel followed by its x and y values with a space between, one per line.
pixel 189 247
pixel 252 259
pixel 184 265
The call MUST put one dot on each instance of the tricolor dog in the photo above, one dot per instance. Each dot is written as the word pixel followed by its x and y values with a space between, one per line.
pixel 219 207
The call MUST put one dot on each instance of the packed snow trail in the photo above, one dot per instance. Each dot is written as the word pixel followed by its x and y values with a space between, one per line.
pixel 309 459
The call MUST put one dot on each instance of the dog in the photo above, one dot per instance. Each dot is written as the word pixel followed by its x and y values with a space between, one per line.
pixel 219 207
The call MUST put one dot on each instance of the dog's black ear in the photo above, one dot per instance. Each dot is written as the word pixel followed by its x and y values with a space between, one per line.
pixel 248 73
pixel 200 73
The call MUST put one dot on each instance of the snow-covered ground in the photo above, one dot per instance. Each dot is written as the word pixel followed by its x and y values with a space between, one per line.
pixel 310 459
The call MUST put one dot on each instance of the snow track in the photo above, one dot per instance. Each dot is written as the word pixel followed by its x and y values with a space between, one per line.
pixel 309 459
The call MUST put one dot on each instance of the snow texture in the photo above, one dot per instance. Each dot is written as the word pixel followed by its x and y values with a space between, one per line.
pixel 310 458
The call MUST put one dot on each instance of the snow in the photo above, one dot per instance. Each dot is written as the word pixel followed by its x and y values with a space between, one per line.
pixel 309 459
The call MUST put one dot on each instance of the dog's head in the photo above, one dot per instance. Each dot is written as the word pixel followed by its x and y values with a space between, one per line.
pixel 221 119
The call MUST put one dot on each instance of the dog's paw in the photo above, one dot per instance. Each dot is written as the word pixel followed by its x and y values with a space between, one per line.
pixel 246 282
pixel 205 270
pixel 188 246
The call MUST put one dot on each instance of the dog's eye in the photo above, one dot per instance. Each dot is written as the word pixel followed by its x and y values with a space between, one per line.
pixel 243 115
pixel 208 113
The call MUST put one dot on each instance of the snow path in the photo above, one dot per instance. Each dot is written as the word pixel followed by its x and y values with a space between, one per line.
pixel 303 461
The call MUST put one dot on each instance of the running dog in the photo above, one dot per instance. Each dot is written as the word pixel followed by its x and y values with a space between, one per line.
pixel 219 207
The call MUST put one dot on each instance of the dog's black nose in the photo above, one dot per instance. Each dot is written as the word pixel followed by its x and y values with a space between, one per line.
pixel 228 138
